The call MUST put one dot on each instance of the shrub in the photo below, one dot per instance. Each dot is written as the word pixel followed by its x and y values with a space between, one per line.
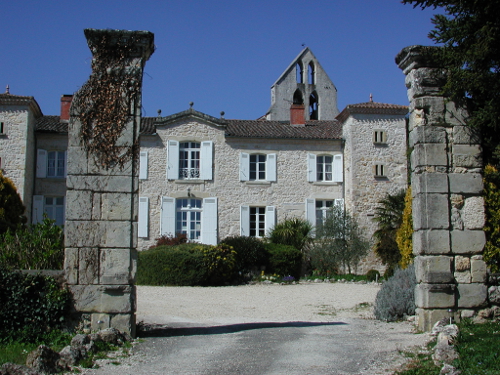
pixel 372 275
pixel 11 206
pixel 220 262
pixel 284 260
pixel 405 232
pixel 166 240
pixel 31 306
pixel 250 253
pixel 294 232
pixel 492 226
pixel 40 246
pixel 396 297
pixel 172 265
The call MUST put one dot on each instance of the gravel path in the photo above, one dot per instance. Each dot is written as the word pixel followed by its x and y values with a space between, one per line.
pixel 313 328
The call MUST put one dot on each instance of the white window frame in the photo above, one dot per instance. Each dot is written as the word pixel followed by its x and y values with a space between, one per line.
pixel 42 164
pixel 337 164
pixel 41 207
pixel 269 216
pixel 380 170
pixel 269 166
pixel 189 160
pixel 205 161
pixel 379 136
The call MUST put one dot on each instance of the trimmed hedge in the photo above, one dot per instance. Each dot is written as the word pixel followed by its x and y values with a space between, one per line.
pixel 250 253
pixel 31 305
pixel 284 260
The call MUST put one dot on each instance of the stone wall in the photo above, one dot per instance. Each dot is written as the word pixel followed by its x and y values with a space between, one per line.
pixel 102 196
pixel 448 210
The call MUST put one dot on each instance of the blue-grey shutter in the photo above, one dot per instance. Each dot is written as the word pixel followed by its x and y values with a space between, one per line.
pixel 41 163
pixel 167 224
pixel 37 214
pixel 172 160
pixel 311 168
pixel 244 221
pixel 206 160
pixel 209 221
pixel 338 168
pixel 270 219
pixel 271 167
pixel 244 167
pixel 143 165
pixel 311 211
pixel 143 221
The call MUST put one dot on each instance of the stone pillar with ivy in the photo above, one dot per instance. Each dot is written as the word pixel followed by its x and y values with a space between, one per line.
pixel 448 209
pixel 102 180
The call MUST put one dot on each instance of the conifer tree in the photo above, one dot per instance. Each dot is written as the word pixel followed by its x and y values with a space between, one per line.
pixel 11 206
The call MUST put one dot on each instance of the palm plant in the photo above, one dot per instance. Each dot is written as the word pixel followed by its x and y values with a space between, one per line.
pixel 295 232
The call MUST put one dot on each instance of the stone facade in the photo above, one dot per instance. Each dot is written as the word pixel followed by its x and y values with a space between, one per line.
pixel 448 209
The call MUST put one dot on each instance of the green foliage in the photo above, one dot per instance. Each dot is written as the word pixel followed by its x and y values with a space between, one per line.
pixel 469 32
pixel 395 298
pixel 294 232
pixel 405 233
pixel 388 216
pixel 39 246
pixel 11 206
pixel 339 243
pixel 284 260
pixel 31 306
pixel 220 261
pixel 182 265
pixel 251 254
pixel 372 275
pixel 492 228
pixel 166 240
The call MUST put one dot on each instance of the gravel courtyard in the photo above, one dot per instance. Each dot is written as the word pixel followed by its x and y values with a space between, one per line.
pixel 310 328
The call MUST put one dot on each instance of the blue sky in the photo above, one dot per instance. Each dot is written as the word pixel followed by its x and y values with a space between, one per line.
pixel 223 55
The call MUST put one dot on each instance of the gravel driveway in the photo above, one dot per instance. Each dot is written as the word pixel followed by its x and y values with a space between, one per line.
pixel 312 328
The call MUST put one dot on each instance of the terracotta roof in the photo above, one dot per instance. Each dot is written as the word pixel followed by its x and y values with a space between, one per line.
pixel 283 129
pixel 372 108
pixel 9 99
pixel 51 124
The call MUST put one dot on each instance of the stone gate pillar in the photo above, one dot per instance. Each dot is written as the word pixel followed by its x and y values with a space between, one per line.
pixel 448 210
pixel 102 179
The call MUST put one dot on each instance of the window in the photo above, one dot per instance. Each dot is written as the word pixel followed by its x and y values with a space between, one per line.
pixel 189 160
pixel 50 164
pixel 257 167
pixel 379 170
pixel 317 209
pixel 197 218
pixel 298 98
pixel 379 136
pixel 311 74
pixel 2 128
pixel 256 221
pixel 53 207
pixel 313 106
pixel 299 71
pixel 322 207
pixel 325 168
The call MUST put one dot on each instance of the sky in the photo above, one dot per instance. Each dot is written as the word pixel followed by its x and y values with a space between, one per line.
pixel 223 55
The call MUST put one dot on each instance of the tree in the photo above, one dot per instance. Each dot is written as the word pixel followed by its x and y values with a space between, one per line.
pixel 389 216
pixel 11 206
pixel 339 242
pixel 404 234
pixel 469 32
pixel 294 232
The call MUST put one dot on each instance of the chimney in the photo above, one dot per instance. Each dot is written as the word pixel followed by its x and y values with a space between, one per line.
pixel 65 105
pixel 297 114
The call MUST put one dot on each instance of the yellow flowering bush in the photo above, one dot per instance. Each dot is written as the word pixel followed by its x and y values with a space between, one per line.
pixel 220 262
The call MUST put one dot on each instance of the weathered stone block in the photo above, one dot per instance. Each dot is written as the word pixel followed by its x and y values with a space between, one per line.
pixel 463 277
pixel 435 296
pixel 455 115
pixel 71 265
pixel 478 269
pixel 425 82
pixel 467 241
pixel 468 156
pixel 427 134
pixel 427 242
pixel 96 208
pixel 117 266
pixel 494 294
pixel 429 183
pixel 464 135
pixel 116 206
pixel 78 159
pixel 78 205
pixel 473 213
pixel 100 321
pixel 103 184
pixel 465 183
pixel 88 266
pixel 433 269
pixel 103 298
pixel 462 263
pixel 124 323
pixel 112 234
pixel 429 154
pixel 434 107
pixel 95 168
pixel 430 211
pixel 471 295
pixel 427 318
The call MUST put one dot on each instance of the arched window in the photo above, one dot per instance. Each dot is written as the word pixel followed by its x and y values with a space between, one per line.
pixel 297 97
pixel 311 74
pixel 313 106
pixel 299 71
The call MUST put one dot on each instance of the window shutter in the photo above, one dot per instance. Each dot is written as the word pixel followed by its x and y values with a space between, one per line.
pixel 244 168
pixel 338 168
pixel 270 218
pixel 167 216
pixel 143 217
pixel 206 160
pixel 244 220
pixel 173 161
pixel 41 163
pixel 209 221
pixel 143 165
pixel 37 214
pixel 311 168
pixel 340 202
pixel 271 167
pixel 311 211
